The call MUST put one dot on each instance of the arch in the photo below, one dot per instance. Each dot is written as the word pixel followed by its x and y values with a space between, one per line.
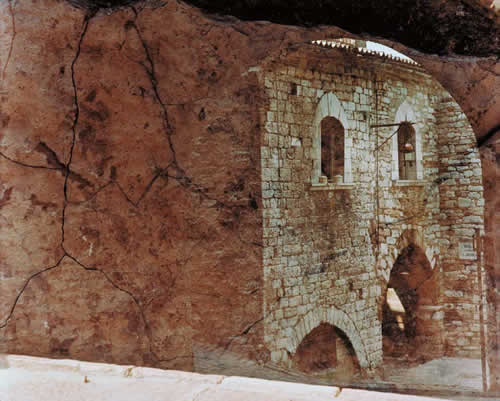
pixel 329 106
pixel 336 318
pixel 412 316
pixel 415 236
pixel 404 113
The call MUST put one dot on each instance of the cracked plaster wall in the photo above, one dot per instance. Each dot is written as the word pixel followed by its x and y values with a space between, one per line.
pixel 125 187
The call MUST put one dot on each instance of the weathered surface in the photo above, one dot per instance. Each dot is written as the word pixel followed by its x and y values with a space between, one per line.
pixel 436 26
pixel 126 190
pixel 23 378
pixel 154 197
pixel 329 249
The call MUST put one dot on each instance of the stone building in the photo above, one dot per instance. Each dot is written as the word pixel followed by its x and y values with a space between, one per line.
pixel 371 180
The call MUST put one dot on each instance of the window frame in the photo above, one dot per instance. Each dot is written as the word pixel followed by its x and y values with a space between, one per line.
pixel 405 113
pixel 330 106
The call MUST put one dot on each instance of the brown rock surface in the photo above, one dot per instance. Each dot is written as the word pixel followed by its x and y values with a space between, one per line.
pixel 130 146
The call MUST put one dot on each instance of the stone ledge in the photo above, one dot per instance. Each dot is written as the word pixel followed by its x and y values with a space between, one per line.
pixel 331 187
pixel 408 183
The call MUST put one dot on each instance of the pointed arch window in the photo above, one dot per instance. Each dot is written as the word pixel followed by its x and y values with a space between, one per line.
pixel 332 148
pixel 407 160
pixel 407 152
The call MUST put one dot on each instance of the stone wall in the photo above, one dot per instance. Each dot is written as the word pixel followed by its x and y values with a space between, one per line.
pixel 461 222
pixel 329 248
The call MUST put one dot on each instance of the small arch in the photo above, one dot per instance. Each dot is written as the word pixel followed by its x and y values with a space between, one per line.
pixel 329 106
pixel 414 236
pixel 336 318
pixel 405 114
pixel 326 349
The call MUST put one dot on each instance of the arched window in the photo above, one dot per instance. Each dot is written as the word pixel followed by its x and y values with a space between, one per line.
pixel 407 145
pixel 332 148
pixel 407 152
pixel 331 153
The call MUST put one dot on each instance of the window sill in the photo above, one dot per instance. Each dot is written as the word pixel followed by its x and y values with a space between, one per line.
pixel 408 183
pixel 331 186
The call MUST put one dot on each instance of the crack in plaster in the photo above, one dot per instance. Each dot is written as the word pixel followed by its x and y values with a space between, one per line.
pixel 244 332
pixel 20 293
pixel 53 163
pixel 35 166
pixel 52 158
pixel 49 153
pixel 86 21
pixel 13 37
pixel 180 177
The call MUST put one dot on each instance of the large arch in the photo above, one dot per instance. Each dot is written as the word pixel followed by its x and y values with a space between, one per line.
pixel 336 318
pixel 412 317
pixel 330 106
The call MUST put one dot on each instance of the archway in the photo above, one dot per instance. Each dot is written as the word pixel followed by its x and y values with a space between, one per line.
pixel 411 316
pixel 327 350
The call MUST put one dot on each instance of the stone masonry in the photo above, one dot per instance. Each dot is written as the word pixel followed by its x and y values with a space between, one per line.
pixel 329 247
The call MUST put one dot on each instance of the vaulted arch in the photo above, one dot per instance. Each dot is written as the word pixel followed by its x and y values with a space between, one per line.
pixel 336 318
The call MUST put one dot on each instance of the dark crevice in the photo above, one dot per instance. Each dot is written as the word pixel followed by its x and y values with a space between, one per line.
pixel 53 164
pixel 431 26
pixel 147 327
pixel 149 68
pixel 76 102
pixel 13 37
pixel 51 156
pixel 27 164
pixel 86 21
pixel 485 139
pixel 244 332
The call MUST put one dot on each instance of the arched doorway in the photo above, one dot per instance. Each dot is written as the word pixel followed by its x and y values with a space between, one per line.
pixel 327 351
pixel 411 313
